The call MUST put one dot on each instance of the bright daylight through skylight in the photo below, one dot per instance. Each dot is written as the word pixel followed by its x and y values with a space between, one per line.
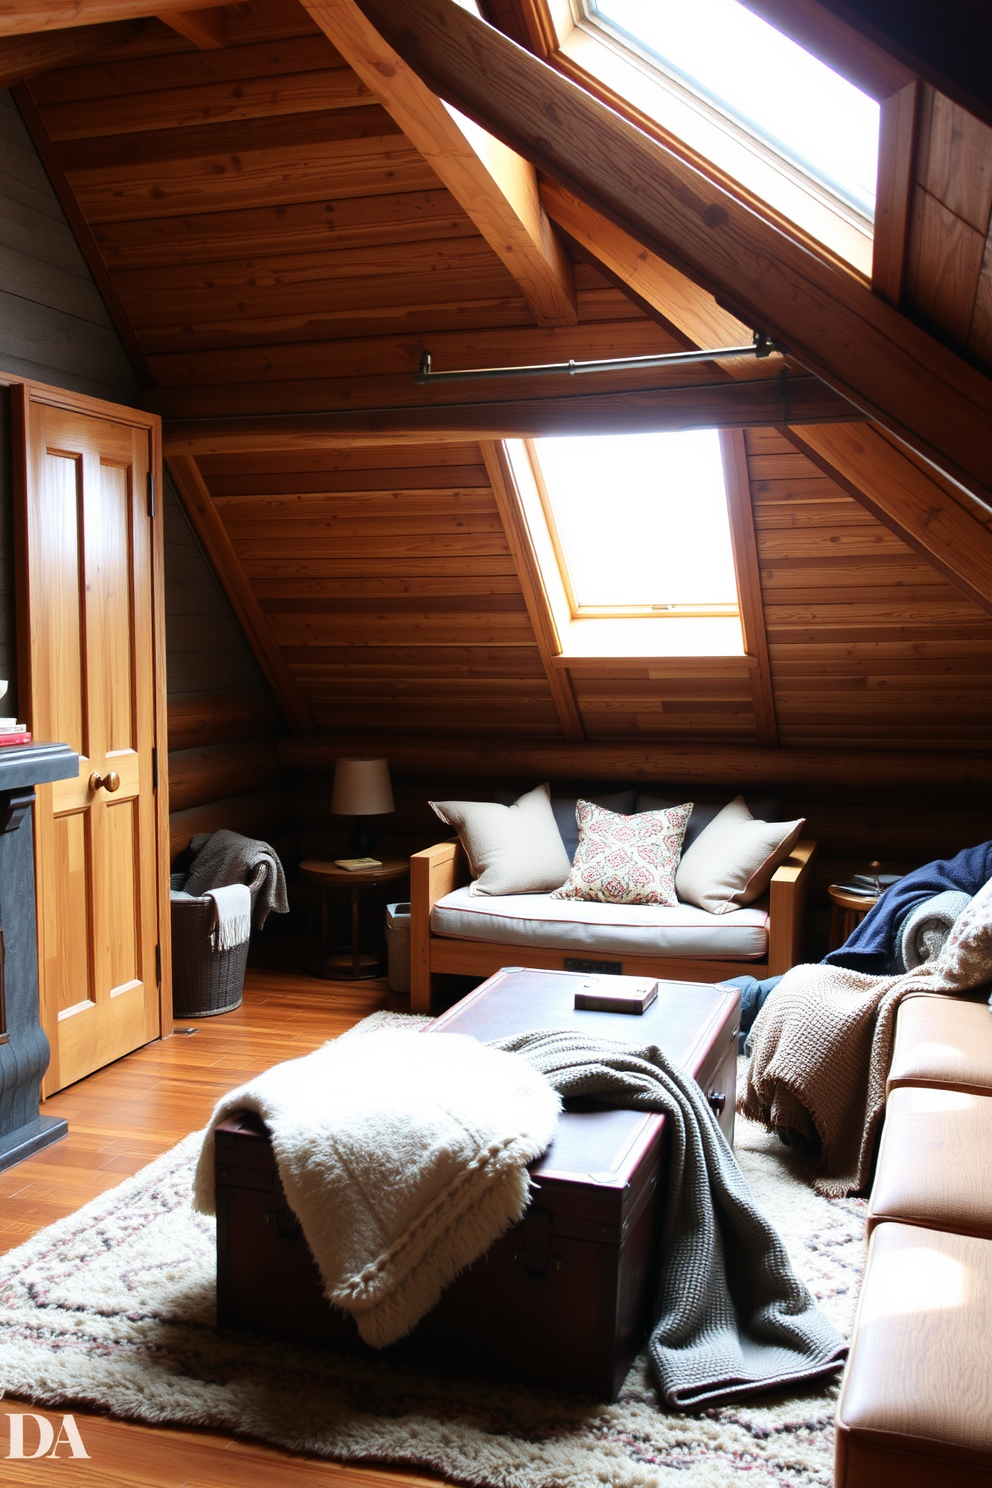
pixel 642 518
pixel 779 91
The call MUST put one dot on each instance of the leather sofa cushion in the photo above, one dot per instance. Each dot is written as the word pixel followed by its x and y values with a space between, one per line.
pixel 590 929
pixel 944 1041
pixel 918 1389
pixel 933 1164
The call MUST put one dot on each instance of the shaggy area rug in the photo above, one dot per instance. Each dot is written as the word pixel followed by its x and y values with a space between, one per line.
pixel 112 1309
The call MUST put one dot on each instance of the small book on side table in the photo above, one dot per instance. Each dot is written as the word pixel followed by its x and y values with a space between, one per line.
pixel 600 994
pixel 355 865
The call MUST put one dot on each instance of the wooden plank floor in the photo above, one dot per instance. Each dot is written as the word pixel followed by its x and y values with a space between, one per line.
pixel 121 1118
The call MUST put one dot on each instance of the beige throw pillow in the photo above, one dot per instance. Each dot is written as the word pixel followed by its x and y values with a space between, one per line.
pixel 511 849
pixel 732 860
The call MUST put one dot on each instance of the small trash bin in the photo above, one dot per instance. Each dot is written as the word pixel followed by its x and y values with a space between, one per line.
pixel 398 946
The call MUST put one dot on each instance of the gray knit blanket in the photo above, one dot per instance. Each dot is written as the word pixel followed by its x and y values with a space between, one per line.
pixel 730 1315
pixel 224 857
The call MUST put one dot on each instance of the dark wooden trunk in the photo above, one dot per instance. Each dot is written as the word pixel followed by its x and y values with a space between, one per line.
pixel 563 1299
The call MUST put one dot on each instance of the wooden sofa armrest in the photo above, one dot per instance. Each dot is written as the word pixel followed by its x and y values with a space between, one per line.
pixel 786 907
pixel 433 873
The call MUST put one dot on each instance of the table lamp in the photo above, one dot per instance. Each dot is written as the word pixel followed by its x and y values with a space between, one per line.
pixel 362 788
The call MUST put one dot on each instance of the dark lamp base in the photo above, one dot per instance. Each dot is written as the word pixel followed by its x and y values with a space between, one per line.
pixel 362 840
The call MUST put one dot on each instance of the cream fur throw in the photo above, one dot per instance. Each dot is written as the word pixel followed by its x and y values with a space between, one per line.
pixel 822 1044
pixel 403 1157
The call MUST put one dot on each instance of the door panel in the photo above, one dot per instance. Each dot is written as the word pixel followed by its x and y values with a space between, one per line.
pixel 68 929
pixel 89 549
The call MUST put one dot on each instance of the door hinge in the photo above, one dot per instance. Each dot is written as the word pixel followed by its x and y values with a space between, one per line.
pixel 154 767
pixel 151 494
pixel 158 965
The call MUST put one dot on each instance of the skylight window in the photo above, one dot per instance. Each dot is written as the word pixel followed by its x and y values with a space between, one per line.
pixel 640 522
pixel 763 80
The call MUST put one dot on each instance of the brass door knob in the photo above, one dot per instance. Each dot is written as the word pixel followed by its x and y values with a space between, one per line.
pixel 110 782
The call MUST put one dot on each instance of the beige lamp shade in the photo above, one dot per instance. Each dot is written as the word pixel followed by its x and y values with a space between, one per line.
pixel 362 788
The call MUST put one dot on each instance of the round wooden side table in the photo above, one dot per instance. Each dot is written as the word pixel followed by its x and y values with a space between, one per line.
pixel 846 911
pixel 348 941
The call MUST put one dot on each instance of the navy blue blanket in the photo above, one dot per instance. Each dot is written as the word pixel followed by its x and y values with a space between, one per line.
pixel 871 947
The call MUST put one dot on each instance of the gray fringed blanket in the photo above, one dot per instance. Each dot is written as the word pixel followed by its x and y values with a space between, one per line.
pixel 731 1316
pixel 822 1044
pixel 223 858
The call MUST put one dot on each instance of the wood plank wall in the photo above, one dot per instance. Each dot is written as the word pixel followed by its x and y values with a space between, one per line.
pixel 53 327
pixel 224 770
pixel 948 282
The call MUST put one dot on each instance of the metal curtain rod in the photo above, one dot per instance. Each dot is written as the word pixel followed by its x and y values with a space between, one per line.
pixel 762 346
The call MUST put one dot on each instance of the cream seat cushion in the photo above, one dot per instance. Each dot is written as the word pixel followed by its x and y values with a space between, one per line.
pixel 588 928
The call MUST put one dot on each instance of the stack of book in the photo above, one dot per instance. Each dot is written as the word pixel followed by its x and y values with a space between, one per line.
pixel 870 885
pixel 12 732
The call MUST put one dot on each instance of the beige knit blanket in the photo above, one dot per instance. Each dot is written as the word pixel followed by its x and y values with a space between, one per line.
pixel 822 1044
pixel 403 1157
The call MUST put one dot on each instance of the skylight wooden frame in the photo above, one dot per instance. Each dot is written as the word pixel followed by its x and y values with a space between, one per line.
pixel 634 82
pixel 581 611
pixel 615 634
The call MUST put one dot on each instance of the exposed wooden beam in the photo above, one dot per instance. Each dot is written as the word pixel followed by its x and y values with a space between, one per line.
pixel 862 460
pixel 879 359
pixel 749 583
pixel 682 303
pixel 495 186
pixel 212 533
pixel 535 597
pixel 24 56
pixel 725 404
pixel 206 29
pixel 710 765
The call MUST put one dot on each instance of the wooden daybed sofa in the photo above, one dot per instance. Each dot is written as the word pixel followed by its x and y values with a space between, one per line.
pixel 767 938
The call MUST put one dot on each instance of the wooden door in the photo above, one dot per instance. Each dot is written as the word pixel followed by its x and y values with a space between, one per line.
pixel 88 642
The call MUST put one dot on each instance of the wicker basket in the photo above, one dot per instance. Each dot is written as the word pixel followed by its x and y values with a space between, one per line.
pixel 205 982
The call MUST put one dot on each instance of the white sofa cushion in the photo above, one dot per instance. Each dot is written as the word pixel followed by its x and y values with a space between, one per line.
pixel 590 929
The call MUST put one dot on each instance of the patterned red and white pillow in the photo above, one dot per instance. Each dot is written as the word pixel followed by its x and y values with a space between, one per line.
pixel 626 859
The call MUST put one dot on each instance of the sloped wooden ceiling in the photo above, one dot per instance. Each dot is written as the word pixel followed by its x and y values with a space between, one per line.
pixel 279 255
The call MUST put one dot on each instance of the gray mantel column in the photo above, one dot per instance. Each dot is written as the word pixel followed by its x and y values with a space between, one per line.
pixel 24 1050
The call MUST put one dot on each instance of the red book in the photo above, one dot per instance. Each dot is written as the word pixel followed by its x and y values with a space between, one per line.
pixel 23 738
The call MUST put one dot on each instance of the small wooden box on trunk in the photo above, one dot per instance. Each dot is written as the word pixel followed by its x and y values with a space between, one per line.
pixel 563 1299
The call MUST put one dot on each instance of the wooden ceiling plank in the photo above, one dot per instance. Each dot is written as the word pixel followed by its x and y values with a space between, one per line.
pixel 18 18
pixel 267 177
pixel 532 584
pixel 24 56
pixel 268 96
pixel 891 368
pixel 900 494
pixel 495 186
pixel 206 29
pixel 212 533
pixel 748 575
pixel 300 227
pixel 727 405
